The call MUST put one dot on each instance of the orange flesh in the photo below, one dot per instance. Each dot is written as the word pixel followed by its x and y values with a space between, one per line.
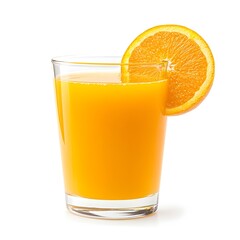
pixel 187 63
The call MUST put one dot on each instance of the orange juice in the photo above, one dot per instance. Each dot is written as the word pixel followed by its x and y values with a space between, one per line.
pixel 112 135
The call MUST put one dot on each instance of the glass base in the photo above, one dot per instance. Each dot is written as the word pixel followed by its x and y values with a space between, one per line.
pixel 112 209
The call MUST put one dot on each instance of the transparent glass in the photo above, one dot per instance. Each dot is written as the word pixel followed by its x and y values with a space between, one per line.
pixel 112 130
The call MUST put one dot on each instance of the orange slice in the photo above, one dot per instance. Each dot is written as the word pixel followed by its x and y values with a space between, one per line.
pixel 190 64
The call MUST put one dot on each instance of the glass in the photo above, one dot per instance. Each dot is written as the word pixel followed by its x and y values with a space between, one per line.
pixel 111 135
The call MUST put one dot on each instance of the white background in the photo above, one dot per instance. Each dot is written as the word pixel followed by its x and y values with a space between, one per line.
pixel 199 197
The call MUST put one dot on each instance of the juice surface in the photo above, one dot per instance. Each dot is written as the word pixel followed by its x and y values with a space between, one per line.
pixel 112 135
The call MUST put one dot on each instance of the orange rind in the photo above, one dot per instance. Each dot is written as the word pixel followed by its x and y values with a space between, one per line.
pixel 190 70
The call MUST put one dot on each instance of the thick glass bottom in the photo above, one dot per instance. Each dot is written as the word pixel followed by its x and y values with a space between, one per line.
pixel 112 209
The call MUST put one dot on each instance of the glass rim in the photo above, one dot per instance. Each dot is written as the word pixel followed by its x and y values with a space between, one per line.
pixel 99 61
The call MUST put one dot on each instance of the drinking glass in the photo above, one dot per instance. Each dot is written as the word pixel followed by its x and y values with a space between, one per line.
pixel 111 134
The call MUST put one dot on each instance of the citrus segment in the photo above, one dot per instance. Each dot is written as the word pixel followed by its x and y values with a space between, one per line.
pixel 190 64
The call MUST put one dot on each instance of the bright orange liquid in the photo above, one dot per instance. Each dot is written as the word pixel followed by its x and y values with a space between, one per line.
pixel 112 135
